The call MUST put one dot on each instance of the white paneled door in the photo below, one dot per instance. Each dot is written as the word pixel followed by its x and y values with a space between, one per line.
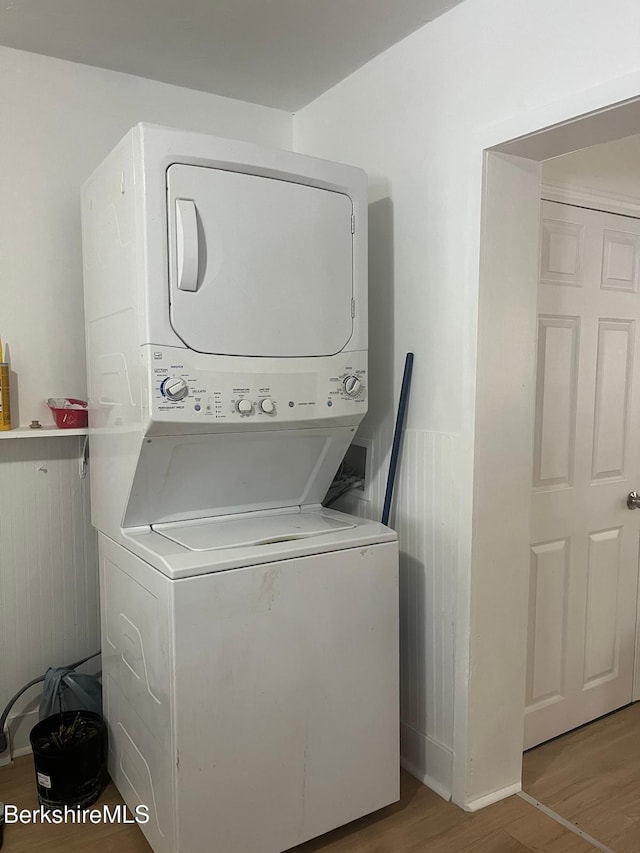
pixel 584 551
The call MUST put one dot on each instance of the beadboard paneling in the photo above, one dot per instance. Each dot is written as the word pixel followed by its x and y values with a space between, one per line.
pixel 48 567
pixel 424 514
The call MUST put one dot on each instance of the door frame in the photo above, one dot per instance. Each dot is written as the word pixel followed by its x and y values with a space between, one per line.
pixel 493 598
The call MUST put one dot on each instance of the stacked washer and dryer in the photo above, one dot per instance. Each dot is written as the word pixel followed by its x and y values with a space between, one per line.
pixel 249 635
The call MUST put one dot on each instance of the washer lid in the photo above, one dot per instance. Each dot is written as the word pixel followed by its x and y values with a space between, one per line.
pixel 214 534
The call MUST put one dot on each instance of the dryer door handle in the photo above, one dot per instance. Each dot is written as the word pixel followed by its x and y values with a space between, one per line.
pixel 187 244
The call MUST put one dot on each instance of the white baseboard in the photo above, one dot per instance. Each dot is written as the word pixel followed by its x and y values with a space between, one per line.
pixel 493 797
pixel 426 759
pixel 20 726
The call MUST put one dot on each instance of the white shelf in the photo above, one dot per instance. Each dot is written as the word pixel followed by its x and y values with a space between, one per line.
pixel 44 432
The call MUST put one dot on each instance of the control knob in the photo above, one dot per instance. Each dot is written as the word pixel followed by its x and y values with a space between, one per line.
pixel 175 388
pixel 244 406
pixel 351 385
pixel 267 405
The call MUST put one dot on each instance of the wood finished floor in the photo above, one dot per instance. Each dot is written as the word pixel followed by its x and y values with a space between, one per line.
pixel 591 777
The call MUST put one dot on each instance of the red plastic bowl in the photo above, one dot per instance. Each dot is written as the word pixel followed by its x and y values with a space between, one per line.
pixel 71 418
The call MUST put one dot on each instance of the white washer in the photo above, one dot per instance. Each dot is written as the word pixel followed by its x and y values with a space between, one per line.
pixel 253 707
pixel 250 637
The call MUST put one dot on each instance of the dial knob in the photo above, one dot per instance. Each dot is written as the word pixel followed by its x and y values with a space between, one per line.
pixel 267 406
pixel 175 388
pixel 245 407
pixel 351 385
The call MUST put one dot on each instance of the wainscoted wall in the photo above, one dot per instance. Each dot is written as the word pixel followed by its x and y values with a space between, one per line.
pixel 49 579
pixel 425 517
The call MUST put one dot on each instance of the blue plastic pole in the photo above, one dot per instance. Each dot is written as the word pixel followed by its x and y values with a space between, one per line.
pixel 397 435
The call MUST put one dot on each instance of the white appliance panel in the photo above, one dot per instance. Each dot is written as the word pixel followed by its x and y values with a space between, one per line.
pixel 258 266
pixel 136 674
pixel 281 717
pixel 221 394
pixel 196 476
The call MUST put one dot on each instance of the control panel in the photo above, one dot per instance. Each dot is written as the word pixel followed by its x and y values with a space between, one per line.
pixel 188 386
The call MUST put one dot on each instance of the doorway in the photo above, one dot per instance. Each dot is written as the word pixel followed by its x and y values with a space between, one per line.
pixel 491 751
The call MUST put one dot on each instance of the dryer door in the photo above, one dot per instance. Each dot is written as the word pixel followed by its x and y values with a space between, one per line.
pixel 258 266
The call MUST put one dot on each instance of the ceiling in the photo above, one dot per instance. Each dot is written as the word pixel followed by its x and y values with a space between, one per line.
pixel 281 53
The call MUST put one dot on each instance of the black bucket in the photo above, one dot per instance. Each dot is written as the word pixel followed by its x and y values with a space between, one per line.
pixel 70 775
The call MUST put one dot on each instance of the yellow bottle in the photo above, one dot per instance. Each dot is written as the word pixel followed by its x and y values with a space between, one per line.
pixel 5 402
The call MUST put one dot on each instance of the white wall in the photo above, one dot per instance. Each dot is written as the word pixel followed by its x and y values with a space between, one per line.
pixel 417 119
pixel 58 120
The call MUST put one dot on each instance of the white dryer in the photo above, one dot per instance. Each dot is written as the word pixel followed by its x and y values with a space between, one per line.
pixel 249 636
